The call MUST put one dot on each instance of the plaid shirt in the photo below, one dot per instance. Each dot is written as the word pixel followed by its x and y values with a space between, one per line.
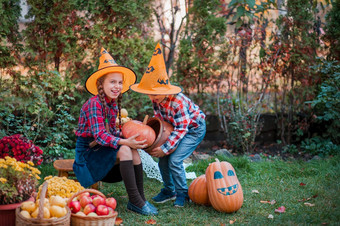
pixel 91 122
pixel 180 112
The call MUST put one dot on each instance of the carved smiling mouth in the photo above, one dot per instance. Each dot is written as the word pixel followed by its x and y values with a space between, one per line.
pixel 228 190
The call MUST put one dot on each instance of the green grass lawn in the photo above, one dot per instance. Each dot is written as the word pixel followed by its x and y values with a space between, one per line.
pixel 290 183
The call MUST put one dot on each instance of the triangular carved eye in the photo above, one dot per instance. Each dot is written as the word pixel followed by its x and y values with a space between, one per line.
pixel 218 175
pixel 231 173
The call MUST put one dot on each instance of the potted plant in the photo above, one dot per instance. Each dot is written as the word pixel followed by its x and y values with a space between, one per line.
pixel 18 182
pixel 20 148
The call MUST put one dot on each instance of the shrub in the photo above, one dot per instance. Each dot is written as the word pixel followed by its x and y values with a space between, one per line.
pixel 40 108
pixel 320 146
pixel 326 105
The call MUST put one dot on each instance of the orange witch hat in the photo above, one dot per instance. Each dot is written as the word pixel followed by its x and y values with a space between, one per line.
pixel 108 65
pixel 155 80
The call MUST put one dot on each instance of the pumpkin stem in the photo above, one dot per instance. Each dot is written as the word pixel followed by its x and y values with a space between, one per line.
pixel 216 159
pixel 145 119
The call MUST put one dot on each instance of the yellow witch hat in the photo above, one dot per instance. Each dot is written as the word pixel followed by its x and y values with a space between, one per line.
pixel 155 80
pixel 108 65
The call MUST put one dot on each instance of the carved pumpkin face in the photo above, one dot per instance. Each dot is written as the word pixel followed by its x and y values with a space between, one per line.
pixel 224 189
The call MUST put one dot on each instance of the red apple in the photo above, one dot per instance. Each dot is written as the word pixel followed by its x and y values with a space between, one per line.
pixel 98 201
pixel 111 211
pixel 83 194
pixel 85 200
pixel 74 206
pixel 111 202
pixel 93 196
pixel 102 210
pixel 89 208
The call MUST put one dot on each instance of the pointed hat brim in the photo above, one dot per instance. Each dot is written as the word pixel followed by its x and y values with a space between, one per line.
pixel 168 90
pixel 129 78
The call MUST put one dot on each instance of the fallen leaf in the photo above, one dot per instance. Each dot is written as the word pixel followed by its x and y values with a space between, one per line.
pixel 255 191
pixel 232 221
pixel 313 197
pixel 271 202
pixel 270 216
pixel 119 221
pixel 281 209
pixel 309 204
pixel 151 221
pixel 302 184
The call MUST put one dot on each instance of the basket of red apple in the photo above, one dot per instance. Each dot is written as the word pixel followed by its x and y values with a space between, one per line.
pixel 90 207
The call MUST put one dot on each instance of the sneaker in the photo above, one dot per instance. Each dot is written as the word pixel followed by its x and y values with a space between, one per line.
pixel 164 196
pixel 181 199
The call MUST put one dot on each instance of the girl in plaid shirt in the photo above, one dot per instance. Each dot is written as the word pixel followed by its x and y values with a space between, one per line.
pixel 101 154
pixel 170 105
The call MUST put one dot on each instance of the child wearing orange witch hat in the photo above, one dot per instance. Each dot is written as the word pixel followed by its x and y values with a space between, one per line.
pixel 111 158
pixel 170 105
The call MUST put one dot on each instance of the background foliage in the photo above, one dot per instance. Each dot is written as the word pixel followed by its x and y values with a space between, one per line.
pixel 257 63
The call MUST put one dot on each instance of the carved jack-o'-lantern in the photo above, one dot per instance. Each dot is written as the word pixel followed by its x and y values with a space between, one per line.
pixel 224 189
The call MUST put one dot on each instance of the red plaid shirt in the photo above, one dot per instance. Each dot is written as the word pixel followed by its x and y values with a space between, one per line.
pixel 180 112
pixel 91 122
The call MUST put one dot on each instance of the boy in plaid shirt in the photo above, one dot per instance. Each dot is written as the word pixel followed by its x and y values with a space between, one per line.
pixel 170 105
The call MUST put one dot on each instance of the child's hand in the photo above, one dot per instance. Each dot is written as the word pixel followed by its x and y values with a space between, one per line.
pixel 135 144
pixel 157 152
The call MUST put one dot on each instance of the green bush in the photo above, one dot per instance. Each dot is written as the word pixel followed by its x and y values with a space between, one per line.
pixel 319 146
pixel 40 108
pixel 326 105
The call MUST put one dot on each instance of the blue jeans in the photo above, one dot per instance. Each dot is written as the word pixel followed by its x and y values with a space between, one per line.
pixel 171 166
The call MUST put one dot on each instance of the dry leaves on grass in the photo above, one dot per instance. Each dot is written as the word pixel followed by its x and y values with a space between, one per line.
pixel 119 221
pixel 309 204
pixel 232 221
pixel 151 221
pixel 307 199
pixel 270 202
pixel 281 209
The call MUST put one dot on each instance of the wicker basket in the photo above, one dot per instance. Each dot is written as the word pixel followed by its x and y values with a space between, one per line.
pixel 77 220
pixel 61 221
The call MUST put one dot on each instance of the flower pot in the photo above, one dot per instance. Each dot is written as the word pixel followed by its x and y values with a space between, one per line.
pixel 162 129
pixel 7 213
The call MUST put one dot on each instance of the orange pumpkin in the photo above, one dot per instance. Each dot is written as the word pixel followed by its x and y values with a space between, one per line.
pixel 224 189
pixel 133 127
pixel 198 191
